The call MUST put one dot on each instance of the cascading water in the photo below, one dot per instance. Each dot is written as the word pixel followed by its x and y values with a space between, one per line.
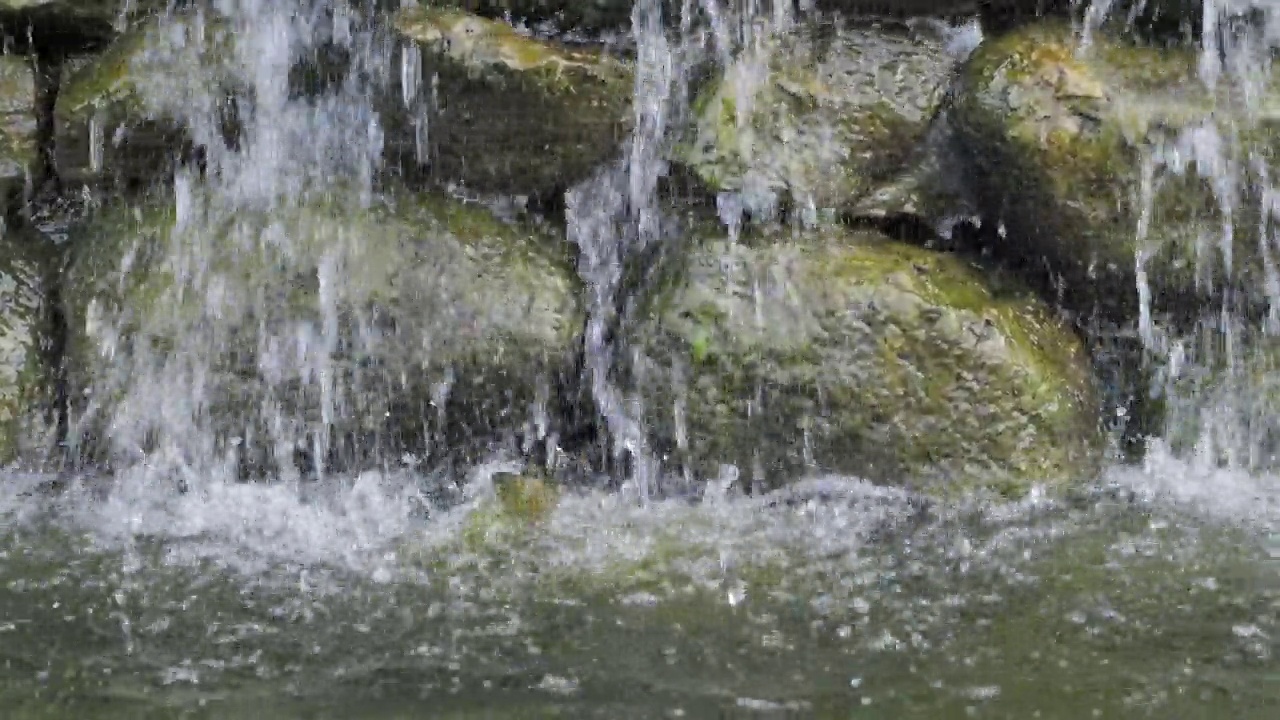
pixel 832 597
pixel 289 149
pixel 1213 378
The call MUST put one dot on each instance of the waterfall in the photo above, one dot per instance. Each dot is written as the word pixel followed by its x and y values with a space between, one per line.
pixel 1211 375
pixel 290 148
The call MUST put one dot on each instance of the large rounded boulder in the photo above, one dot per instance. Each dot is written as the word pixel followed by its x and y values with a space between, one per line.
pixel 840 350
pixel 1116 170
pixel 819 117
pixel 418 326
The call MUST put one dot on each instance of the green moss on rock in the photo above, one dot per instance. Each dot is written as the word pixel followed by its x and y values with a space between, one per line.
pixel 506 113
pixel 832 112
pixel 842 351
pixel 1064 142
pixel 444 326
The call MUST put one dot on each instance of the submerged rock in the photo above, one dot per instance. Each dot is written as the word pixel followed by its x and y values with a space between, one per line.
pixel 823 116
pixel 419 326
pixel 1108 167
pixel 842 351
pixel 500 112
pixel 519 503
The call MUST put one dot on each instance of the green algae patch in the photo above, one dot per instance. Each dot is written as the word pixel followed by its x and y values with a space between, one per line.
pixel 1097 157
pixel 820 116
pixel 506 113
pixel 437 326
pixel 836 350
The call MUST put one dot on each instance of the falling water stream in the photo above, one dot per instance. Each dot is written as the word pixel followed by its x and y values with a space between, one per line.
pixel 174 591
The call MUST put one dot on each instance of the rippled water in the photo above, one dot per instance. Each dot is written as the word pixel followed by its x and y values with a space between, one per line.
pixel 1154 596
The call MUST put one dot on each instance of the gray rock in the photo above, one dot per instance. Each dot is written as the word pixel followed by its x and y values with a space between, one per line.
pixel 835 350
pixel 821 118
pixel 420 326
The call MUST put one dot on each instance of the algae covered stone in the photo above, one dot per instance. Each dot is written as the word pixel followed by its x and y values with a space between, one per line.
pixel 419 325
pixel 590 14
pixel 842 351
pixel 497 111
pixel 1116 169
pixel 818 117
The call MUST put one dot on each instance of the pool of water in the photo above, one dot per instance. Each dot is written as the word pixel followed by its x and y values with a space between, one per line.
pixel 1153 595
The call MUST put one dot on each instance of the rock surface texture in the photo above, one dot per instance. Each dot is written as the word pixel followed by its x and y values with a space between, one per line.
pixel 356 254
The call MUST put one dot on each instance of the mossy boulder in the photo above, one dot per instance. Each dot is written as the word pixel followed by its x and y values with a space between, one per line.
pixel 124 115
pixel 26 264
pixel 840 350
pixel 1093 156
pixel 831 113
pixel 417 326
pixel 500 112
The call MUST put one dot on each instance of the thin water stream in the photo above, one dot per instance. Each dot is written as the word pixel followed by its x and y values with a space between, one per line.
pixel 171 590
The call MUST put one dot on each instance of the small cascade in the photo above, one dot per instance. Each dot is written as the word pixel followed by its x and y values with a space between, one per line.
pixel 616 217
pixel 1210 371
pixel 288 149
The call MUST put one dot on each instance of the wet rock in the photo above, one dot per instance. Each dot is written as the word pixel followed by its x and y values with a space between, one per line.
pixel 126 115
pixel 500 112
pixel 821 118
pixel 68 26
pixel 838 350
pixel 419 327
pixel 1107 167
pixel 25 267
pixel 18 126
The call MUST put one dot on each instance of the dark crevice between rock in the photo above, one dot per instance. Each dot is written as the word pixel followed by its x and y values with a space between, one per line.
pixel 48 82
